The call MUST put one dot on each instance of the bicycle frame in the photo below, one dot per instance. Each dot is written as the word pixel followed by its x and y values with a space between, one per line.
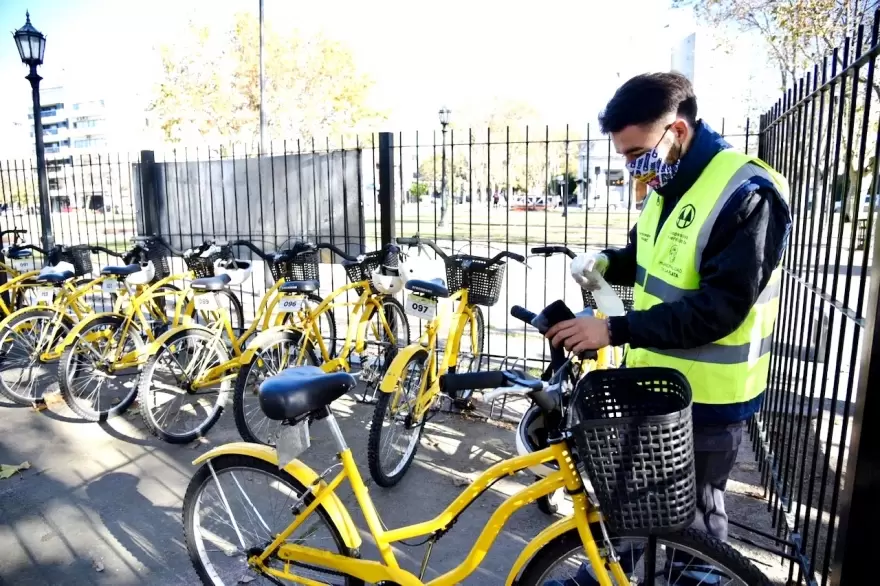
pixel 388 569
pixel 359 317
pixel 132 308
pixel 13 284
pixel 461 316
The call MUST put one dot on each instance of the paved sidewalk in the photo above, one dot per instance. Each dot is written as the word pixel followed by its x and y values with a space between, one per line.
pixel 101 503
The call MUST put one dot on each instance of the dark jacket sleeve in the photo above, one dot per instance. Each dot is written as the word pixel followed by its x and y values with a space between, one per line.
pixel 745 246
pixel 622 262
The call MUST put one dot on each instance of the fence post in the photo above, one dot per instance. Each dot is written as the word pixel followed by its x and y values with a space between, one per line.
pixel 149 194
pixel 854 554
pixel 386 186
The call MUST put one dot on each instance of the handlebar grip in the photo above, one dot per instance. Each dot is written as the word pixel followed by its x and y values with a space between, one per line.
pixel 486 379
pixel 408 241
pixel 516 257
pixel 548 250
pixel 523 314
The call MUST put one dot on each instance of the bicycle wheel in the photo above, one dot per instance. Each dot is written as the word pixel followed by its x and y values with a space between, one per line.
pixel 24 376
pixel 393 420
pixel 278 353
pixel 379 351
pixel 223 526
pixel 172 409
pixel 326 322
pixel 469 355
pixel 685 558
pixel 89 387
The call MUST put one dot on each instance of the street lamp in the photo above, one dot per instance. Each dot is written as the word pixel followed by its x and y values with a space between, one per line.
pixel 31 47
pixel 444 122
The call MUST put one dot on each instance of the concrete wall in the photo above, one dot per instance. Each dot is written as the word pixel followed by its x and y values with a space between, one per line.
pixel 313 197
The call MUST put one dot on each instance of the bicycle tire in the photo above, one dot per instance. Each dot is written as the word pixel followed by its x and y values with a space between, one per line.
pixel 222 463
pixel 146 387
pixel 236 314
pixel 463 400
pixel 403 328
pixel 375 438
pixel 329 316
pixel 246 430
pixel 69 363
pixel 699 543
pixel 47 315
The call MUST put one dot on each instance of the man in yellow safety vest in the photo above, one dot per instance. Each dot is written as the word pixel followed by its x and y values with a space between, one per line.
pixel 704 261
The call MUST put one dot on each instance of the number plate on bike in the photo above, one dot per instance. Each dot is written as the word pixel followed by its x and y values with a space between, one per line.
pixel 23 265
pixel 110 286
pixel 207 302
pixel 292 441
pixel 44 294
pixel 421 307
pixel 290 304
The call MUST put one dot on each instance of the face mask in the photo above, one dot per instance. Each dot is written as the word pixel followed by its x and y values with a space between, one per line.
pixel 651 168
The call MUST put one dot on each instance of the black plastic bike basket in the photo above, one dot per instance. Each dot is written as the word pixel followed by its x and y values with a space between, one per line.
pixel 80 257
pixel 302 267
pixel 635 439
pixel 363 270
pixel 151 251
pixel 473 273
pixel 203 266
pixel 625 294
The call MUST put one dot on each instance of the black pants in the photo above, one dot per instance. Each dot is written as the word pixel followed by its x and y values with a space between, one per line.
pixel 715 450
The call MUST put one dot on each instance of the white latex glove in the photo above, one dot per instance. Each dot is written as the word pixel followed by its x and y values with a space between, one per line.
pixel 586 267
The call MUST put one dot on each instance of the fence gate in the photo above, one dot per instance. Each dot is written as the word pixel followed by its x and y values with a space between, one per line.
pixel 813 435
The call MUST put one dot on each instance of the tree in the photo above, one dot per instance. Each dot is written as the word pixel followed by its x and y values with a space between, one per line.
pixel 210 87
pixel 800 34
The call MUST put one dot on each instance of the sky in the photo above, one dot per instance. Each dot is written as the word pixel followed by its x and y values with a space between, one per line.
pixel 564 57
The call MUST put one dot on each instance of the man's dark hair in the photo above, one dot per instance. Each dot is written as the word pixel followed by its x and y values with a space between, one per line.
pixel 648 97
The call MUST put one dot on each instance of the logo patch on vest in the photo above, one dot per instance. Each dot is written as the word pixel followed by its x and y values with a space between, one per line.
pixel 686 217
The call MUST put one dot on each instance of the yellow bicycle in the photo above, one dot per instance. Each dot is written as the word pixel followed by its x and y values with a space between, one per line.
pixel 412 383
pixel 189 370
pixel 17 273
pixel 377 328
pixel 253 512
pixel 100 359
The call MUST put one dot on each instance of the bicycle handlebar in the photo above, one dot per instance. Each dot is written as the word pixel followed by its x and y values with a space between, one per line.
pixel 506 254
pixel 13 231
pixel 107 251
pixel 33 247
pixel 332 248
pixel 253 247
pixel 419 241
pixel 548 250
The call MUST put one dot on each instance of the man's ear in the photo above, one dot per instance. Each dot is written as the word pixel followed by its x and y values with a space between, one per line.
pixel 681 129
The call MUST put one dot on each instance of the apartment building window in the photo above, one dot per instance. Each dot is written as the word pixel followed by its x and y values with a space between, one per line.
pixel 85 143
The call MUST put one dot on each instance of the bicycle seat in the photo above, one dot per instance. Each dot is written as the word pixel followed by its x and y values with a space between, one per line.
pixel 121 271
pixel 54 277
pixel 215 283
pixel 299 287
pixel 298 391
pixel 434 287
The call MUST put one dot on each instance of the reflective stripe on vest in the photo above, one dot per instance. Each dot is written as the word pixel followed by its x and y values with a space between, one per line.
pixel 733 369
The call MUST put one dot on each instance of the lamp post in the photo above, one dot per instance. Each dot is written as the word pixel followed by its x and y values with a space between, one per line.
pixel 444 122
pixel 31 47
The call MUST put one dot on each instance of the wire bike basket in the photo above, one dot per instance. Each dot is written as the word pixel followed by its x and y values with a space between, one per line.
pixel 474 273
pixel 297 264
pixel 79 256
pixel 635 439
pixel 363 270
pixel 203 264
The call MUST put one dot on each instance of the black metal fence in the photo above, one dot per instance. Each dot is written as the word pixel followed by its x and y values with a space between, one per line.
pixel 811 436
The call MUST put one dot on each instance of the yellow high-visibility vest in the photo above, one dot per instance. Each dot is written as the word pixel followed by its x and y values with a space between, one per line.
pixel 733 369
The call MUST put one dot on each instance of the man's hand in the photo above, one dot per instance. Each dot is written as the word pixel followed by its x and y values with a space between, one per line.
pixel 584 268
pixel 579 334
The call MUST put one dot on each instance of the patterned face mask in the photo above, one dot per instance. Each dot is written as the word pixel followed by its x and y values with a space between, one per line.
pixel 651 169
